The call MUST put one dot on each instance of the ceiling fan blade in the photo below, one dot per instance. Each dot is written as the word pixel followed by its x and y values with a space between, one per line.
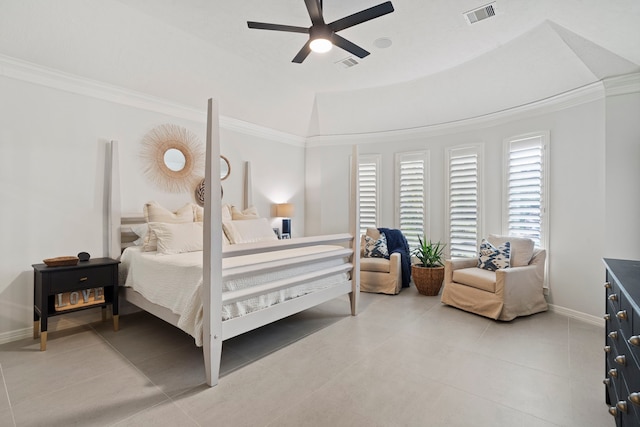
pixel 315 13
pixel 345 44
pixel 362 16
pixel 277 27
pixel 304 52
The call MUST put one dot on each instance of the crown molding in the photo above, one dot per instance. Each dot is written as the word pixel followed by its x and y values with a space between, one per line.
pixel 37 74
pixel 582 95
pixel 622 85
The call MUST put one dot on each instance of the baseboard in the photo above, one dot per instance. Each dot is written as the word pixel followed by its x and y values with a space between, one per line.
pixel 16 335
pixel 594 320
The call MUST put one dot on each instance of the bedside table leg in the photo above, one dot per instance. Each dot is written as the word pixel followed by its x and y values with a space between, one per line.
pixel 116 322
pixel 36 329
pixel 43 341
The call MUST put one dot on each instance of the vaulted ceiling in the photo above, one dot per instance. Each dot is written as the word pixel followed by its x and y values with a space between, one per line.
pixel 438 67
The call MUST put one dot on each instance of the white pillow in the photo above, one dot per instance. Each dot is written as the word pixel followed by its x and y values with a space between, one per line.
pixel 198 212
pixel 249 213
pixel 141 231
pixel 249 231
pixel 178 238
pixel 153 212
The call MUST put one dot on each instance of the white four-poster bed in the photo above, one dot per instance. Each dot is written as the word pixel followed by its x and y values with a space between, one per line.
pixel 338 262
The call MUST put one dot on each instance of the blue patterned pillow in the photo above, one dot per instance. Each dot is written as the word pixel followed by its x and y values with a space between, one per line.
pixel 376 248
pixel 492 258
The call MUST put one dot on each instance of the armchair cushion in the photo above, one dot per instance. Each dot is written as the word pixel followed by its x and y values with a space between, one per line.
pixel 379 265
pixel 521 248
pixel 476 278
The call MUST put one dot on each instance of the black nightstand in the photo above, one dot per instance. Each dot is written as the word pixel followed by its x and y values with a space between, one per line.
pixel 61 290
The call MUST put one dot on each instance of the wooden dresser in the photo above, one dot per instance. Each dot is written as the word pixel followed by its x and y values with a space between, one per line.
pixel 622 341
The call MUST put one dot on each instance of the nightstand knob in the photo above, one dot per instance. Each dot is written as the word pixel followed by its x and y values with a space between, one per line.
pixel 606 381
pixel 613 373
pixel 613 335
pixel 635 340
pixel 622 405
pixel 635 398
pixel 607 317
pixel 622 315
pixel 613 411
pixel 607 349
pixel 621 360
pixel 613 297
pixel 607 285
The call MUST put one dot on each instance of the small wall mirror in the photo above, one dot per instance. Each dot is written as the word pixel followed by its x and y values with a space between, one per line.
pixel 174 159
pixel 225 168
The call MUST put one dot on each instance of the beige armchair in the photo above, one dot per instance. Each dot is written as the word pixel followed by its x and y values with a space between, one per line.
pixel 380 275
pixel 503 294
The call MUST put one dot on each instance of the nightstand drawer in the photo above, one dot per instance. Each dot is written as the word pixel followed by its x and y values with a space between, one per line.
pixel 85 278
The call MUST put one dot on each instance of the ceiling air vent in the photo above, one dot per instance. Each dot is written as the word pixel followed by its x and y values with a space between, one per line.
pixel 348 62
pixel 484 12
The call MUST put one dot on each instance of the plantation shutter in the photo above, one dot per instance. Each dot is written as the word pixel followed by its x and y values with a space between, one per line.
pixel 463 202
pixel 525 184
pixel 368 183
pixel 411 192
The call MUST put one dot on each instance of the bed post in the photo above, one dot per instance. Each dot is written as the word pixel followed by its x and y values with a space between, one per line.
pixel 248 186
pixel 354 229
pixel 112 205
pixel 212 263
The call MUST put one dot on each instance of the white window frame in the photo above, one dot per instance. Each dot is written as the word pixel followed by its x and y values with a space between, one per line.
pixel 377 160
pixel 409 156
pixel 545 196
pixel 460 150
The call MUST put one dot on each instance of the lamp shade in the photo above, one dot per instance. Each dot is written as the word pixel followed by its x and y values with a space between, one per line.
pixel 284 210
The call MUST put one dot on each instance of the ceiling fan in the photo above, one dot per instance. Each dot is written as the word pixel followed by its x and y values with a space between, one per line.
pixel 322 36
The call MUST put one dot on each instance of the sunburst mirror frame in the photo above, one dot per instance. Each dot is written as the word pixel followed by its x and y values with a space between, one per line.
pixel 155 145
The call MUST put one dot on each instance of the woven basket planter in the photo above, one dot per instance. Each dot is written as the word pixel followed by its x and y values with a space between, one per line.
pixel 428 280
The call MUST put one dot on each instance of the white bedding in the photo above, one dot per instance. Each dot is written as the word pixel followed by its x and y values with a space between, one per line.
pixel 175 281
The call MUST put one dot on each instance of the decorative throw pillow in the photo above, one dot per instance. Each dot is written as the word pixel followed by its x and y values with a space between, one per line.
pixel 492 258
pixel 178 238
pixel 153 212
pixel 249 213
pixel 249 231
pixel 376 248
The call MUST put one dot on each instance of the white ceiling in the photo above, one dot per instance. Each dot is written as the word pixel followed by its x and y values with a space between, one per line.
pixel 438 69
pixel 429 36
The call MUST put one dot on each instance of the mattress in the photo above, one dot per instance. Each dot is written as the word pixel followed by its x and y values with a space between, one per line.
pixel 175 281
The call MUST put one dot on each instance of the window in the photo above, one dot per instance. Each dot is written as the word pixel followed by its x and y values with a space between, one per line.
pixel 369 184
pixel 411 200
pixel 463 201
pixel 526 195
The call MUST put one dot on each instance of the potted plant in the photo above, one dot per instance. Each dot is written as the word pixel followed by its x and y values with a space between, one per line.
pixel 428 273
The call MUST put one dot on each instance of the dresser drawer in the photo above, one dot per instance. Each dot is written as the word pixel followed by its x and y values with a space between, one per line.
pixel 85 278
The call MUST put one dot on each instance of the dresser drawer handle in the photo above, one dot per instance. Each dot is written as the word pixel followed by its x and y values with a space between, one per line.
pixel 635 340
pixel 613 373
pixel 613 297
pixel 622 315
pixel 622 405
pixel 613 335
pixel 607 317
pixel 607 285
pixel 83 279
pixel 607 349
pixel 635 398
pixel 613 411
pixel 607 382
pixel 621 360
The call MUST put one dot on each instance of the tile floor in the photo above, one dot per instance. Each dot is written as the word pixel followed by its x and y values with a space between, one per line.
pixel 405 360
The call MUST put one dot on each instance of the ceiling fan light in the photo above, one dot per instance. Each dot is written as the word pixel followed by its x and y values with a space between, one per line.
pixel 320 45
